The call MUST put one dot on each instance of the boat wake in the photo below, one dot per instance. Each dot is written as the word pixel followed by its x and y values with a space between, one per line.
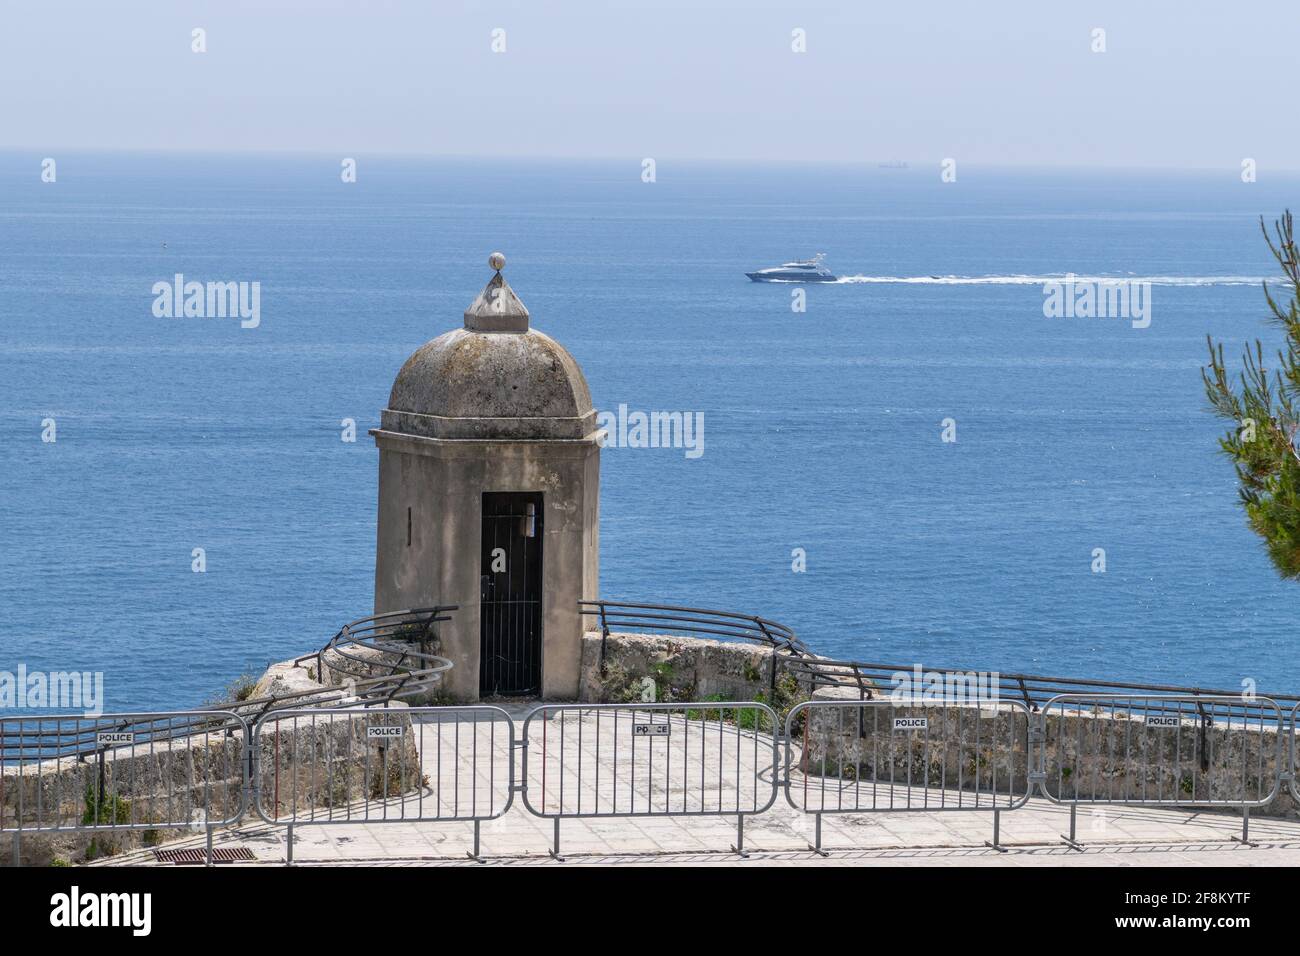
pixel 1043 279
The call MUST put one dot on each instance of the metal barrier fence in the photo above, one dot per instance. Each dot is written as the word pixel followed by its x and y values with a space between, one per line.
pixel 423 765
pixel 1162 750
pixel 637 760
pixel 400 765
pixel 904 755
pixel 121 772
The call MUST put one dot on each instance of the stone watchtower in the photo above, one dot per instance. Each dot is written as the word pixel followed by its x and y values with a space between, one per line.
pixel 489 473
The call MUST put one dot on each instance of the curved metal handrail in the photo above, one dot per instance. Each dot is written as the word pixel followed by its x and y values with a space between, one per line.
pixel 1033 689
pixel 416 671
pixel 869 678
pixel 674 619
pixel 408 634
pixel 671 619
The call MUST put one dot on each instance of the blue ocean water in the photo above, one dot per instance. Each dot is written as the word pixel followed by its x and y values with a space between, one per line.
pixel 822 428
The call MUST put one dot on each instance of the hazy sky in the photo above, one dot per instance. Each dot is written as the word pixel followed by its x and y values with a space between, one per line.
pixel 1182 84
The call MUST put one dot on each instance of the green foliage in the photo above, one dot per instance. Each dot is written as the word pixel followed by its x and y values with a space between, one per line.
pixel 746 718
pixel 1262 408
pixel 619 685
pixel 112 810
pixel 787 695
pixel 706 713
pixel 394 780
pixel 237 691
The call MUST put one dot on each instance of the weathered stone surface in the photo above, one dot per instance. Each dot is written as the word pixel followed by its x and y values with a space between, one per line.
pixel 681 669
pixel 438 487
pixel 286 678
pixel 497 308
pixel 494 407
pixel 491 385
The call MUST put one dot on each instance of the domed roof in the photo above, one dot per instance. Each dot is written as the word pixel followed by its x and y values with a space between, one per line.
pixel 494 379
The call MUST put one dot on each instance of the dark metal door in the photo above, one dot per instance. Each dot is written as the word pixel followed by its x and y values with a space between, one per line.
pixel 510 598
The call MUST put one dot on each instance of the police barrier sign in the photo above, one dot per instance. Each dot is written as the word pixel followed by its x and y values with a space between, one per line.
pixel 1162 720
pixel 651 730
pixel 911 723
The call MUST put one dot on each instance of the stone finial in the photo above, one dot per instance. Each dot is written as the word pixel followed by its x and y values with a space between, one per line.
pixel 497 308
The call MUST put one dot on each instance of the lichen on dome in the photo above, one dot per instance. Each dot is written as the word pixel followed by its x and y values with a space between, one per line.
pixel 491 379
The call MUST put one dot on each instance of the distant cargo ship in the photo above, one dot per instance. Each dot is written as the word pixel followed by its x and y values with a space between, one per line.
pixel 896 164
pixel 801 270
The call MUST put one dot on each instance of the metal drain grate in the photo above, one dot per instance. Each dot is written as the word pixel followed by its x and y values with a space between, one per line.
pixel 194 857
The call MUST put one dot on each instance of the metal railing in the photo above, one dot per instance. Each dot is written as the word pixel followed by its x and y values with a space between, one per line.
pixel 639 760
pixel 884 755
pixel 1291 780
pixel 399 644
pixel 395 642
pixel 378 659
pixel 1182 750
pixel 351 751
pixel 1172 750
pixel 121 772
pixel 869 756
pixel 399 765
pixel 669 619
pixel 435 765
pixel 872 680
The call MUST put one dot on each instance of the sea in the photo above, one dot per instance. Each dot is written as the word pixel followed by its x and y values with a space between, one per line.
pixel 1082 523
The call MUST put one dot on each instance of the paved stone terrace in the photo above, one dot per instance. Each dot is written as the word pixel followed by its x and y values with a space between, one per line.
pixel 1132 837
pixel 1114 836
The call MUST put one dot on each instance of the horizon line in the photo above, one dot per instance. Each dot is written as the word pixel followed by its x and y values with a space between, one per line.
pixel 872 161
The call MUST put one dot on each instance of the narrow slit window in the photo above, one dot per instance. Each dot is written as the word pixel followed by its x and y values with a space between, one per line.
pixel 408 527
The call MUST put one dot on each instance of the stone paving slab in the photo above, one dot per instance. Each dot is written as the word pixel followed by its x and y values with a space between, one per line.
pixel 1127 837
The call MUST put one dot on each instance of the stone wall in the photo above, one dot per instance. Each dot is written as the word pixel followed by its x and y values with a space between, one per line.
pixel 669 669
